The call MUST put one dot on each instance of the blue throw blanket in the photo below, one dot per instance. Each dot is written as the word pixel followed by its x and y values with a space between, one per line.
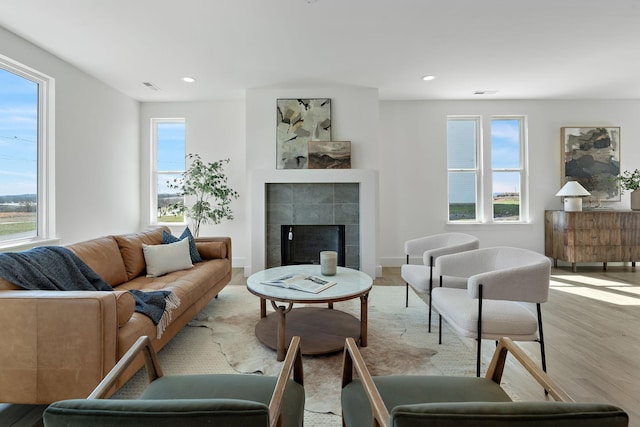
pixel 57 268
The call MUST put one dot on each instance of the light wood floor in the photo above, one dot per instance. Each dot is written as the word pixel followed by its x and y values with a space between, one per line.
pixel 592 335
pixel 591 327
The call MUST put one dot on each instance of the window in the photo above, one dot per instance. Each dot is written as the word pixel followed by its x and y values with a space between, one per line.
pixel 169 165
pixel 26 172
pixel 507 168
pixel 487 187
pixel 463 136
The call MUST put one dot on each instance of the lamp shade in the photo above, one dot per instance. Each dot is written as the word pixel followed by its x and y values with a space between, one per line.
pixel 573 189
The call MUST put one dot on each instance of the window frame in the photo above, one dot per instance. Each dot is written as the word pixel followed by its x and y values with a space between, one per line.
pixel 46 219
pixel 155 173
pixel 485 170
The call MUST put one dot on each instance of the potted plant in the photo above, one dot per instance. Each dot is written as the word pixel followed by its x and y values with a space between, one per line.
pixel 207 184
pixel 631 181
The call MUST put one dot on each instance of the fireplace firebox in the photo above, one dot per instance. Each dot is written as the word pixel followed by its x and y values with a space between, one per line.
pixel 302 244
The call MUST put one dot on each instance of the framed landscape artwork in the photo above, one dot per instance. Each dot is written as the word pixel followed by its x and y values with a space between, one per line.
pixel 300 121
pixel 591 156
pixel 329 154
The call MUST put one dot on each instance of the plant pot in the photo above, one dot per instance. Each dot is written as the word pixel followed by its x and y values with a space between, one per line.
pixel 635 200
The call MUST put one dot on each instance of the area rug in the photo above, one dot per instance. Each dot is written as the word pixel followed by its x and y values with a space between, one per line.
pixel 221 339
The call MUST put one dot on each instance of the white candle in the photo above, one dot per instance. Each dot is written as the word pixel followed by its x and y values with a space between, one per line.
pixel 328 263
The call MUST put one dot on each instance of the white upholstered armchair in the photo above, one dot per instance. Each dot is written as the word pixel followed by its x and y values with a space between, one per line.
pixel 504 289
pixel 428 249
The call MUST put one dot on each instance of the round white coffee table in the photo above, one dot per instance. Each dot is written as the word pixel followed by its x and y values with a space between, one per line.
pixel 321 330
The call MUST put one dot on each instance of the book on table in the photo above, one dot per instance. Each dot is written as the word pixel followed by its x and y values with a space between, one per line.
pixel 301 282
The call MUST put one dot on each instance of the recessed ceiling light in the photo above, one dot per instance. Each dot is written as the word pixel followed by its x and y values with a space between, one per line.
pixel 188 79
pixel 427 78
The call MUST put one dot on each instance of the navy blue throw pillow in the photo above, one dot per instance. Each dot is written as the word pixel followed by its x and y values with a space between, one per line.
pixel 186 234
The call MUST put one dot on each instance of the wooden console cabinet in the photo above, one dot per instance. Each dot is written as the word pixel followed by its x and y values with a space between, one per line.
pixel 592 236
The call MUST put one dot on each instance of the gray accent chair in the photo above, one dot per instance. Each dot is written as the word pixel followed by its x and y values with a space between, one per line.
pixel 428 249
pixel 502 296
pixel 413 401
pixel 193 400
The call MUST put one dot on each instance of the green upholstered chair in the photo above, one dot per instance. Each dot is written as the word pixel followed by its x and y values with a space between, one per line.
pixel 193 400
pixel 411 401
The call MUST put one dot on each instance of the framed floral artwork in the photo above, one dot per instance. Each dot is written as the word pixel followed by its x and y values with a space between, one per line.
pixel 300 121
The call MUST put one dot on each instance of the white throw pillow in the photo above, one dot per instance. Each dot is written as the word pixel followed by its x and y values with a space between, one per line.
pixel 163 259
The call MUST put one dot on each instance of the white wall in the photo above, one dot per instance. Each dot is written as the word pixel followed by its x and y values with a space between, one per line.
pixel 96 147
pixel 215 130
pixel 102 153
pixel 406 142
pixel 413 188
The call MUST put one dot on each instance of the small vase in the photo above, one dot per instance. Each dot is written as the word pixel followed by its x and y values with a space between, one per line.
pixel 635 200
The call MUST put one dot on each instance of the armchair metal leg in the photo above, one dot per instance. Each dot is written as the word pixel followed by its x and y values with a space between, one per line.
pixel 541 342
pixel 439 318
pixel 429 320
pixel 542 353
pixel 430 288
pixel 479 339
pixel 406 301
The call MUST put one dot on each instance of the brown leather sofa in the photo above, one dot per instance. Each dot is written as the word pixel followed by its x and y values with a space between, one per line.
pixel 60 344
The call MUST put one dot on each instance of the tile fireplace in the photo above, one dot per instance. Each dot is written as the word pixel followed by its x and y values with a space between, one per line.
pixel 313 197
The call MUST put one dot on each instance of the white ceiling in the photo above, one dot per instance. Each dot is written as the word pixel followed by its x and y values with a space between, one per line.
pixel 537 49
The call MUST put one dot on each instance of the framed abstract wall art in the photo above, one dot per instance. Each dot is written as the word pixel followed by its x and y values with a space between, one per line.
pixel 591 156
pixel 300 121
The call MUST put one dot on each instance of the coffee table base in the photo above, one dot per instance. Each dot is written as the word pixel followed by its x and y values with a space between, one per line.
pixel 321 330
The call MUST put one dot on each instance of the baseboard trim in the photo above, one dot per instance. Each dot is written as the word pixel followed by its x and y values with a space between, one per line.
pixel 396 261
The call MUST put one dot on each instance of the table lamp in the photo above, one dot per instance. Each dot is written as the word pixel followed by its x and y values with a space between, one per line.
pixel 573 192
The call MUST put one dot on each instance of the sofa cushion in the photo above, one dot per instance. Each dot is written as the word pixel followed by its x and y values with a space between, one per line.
pixel 131 249
pixel 6 285
pixel 163 259
pixel 102 255
pixel 186 234
pixel 212 250
pixel 188 285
